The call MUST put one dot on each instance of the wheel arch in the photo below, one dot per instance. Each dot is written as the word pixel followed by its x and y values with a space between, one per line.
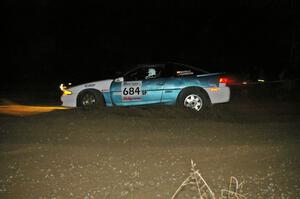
pixel 93 90
pixel 202 90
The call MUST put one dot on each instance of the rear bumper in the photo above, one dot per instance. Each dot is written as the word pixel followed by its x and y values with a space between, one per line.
pixel 219 95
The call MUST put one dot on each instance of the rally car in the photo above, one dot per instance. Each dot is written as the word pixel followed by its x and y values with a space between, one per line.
pixel 162 83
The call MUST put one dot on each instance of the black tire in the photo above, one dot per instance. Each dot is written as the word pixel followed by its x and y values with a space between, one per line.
pixel 90 99
pixel 194 99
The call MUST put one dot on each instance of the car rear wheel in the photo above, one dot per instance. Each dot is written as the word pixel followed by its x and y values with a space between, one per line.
pixel 90 100
pixel 193 99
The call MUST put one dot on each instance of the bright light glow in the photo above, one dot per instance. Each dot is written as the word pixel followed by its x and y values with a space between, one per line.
pixel 244 82
pixel 67 92
pixel 214 89
pixel 64 90
pixel 261 80
pixel 62 87
pixel 24 110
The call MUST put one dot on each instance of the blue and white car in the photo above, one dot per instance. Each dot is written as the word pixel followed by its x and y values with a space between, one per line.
pixel 163 83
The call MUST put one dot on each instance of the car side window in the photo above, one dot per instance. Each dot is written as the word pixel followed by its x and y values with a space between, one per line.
pixel 170 70
pixel 177 70
pixel 144 73
pixel 154 72
pixel 138 74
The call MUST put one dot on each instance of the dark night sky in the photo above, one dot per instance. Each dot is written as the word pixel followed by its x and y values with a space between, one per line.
pixel 52 41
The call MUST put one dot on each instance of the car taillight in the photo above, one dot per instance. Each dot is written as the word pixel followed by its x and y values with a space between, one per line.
pixel 223 80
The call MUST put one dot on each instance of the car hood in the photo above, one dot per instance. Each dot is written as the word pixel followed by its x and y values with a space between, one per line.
pixel 73 84
pixel 101 85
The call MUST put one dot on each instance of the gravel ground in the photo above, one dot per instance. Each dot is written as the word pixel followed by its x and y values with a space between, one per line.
pixel 146 152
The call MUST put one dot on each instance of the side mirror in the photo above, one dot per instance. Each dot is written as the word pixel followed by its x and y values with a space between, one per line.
pixel 119 79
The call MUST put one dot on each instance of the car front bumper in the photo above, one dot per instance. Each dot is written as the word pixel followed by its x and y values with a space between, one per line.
pixel 68 100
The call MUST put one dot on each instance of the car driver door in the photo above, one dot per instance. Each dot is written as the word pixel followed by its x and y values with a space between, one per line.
pixel 137 88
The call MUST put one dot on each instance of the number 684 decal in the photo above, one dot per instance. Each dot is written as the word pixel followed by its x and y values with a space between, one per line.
pixel 131 90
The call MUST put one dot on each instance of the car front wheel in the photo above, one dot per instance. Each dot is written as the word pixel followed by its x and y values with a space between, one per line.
pixel 90 99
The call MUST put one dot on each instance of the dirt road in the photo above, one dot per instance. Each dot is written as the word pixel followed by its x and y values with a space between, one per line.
pixel 146 152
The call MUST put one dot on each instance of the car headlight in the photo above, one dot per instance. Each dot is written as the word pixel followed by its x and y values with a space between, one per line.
pixel 64 89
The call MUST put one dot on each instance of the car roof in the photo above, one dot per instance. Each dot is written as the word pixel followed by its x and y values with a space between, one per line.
pixel 159 64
